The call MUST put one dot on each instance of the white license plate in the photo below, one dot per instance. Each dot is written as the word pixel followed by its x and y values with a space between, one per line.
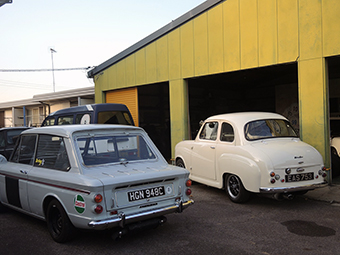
pixel 299 177
pixel 145 193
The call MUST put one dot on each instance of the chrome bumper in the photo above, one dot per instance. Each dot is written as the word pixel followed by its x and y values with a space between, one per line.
pixel 293 189
pixel 123 219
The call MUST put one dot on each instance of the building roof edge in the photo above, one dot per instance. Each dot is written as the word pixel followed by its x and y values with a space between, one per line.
pixel 154 36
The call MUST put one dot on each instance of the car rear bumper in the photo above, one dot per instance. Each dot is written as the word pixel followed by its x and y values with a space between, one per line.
pixel 121 220
pixel 293 189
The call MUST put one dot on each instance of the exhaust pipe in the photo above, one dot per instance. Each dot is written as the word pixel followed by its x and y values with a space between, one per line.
pixel 278 196
pixel 288 196
pixel 282 196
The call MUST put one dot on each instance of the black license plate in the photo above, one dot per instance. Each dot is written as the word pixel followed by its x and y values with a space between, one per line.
pixel 145 193
pixel 299 177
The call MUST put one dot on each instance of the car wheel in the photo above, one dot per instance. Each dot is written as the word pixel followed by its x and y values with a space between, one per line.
pixel 58 223
pixel 180 163
pixel 235 189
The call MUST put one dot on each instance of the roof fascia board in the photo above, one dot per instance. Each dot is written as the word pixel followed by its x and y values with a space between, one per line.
pixel 64 94
pixel 19 103
pixel 154 36
pixel 87 91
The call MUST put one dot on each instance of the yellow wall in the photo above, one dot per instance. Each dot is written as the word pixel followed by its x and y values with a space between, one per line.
pixel 242 34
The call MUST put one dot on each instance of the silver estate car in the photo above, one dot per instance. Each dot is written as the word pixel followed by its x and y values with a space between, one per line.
pixel 92 177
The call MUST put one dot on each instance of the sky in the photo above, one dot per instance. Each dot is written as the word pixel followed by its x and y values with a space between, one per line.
pixel 84 33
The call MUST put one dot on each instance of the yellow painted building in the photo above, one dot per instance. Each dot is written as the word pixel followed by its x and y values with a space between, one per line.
pixel 233 55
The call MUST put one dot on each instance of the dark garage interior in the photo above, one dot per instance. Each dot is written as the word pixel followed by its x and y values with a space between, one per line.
pixel 240 91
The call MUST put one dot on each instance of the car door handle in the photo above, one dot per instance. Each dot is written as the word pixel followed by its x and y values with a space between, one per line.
pixel 212 147
pixel 23 171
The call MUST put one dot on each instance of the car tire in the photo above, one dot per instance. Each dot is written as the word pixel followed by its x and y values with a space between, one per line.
pixel 235 189
pixel 180 163
pixel 58 223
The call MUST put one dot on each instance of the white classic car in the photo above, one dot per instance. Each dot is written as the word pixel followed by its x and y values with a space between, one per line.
pixel 252 152
pixel 92 177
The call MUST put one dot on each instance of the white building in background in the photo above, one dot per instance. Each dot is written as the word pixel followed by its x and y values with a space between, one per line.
pixel 31 112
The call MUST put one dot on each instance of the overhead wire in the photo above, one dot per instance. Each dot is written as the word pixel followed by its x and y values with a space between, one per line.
pixel 29 85
pixel 45 70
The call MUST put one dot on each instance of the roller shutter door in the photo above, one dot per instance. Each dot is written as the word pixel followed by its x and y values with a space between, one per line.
pixel 129 97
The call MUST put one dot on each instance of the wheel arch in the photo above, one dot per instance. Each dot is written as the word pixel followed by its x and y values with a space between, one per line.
pixel 47 201
pixel 247 170
pixel 180 158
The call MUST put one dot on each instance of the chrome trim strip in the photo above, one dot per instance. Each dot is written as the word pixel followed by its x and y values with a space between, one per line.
pixel 293 189
pixel 123 219
pixel 47 184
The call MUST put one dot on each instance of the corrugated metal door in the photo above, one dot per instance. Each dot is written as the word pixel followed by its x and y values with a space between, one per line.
pixel 129 97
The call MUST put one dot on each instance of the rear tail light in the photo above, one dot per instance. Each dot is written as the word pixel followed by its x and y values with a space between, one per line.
pixel 188 192
pixel 98 209
pixel 98 198
pixel 322 172
pixel 188 183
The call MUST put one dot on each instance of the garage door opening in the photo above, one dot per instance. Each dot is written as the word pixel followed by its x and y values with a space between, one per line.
pixel 154 115
pixel 271 89
pixel 334 113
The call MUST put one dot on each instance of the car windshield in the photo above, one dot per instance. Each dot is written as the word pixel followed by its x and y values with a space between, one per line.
pixel 114 149
pixel 270 128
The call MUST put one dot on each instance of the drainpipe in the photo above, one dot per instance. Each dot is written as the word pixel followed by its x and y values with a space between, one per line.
pixel 24 110
pixel 49 108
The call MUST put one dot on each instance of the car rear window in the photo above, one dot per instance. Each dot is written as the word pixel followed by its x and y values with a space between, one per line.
pixel 114 149
pixel 268 128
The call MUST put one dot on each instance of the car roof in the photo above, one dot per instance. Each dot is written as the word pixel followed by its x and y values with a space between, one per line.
pixel 245 117
pixel 90 107
pixel 68 130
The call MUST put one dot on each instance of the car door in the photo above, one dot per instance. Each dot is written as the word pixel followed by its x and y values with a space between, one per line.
pixel 48 173
pixel 17 171
pixel 203 152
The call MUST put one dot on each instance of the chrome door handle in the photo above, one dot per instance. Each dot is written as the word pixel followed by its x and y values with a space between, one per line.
pixel 23 172
pixel 212 147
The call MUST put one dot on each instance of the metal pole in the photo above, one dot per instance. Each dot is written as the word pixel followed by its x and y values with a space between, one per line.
pixel 52 51
pixel 24 111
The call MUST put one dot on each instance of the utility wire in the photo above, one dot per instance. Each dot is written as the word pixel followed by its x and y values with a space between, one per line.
pixel 45 70
pixel 26 85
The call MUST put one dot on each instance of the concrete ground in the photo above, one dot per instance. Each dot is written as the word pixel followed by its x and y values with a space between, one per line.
pixel 330 193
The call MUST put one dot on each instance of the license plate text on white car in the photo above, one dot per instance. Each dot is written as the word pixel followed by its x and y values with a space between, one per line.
pixel 146 193
pixel 299 177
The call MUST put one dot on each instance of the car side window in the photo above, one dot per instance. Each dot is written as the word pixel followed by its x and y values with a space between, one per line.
pixel 227 133
pixel 24 153
pixel 83 118
pixel 49 121
pixel 65 120
pixel 51 153
pixel 209 131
